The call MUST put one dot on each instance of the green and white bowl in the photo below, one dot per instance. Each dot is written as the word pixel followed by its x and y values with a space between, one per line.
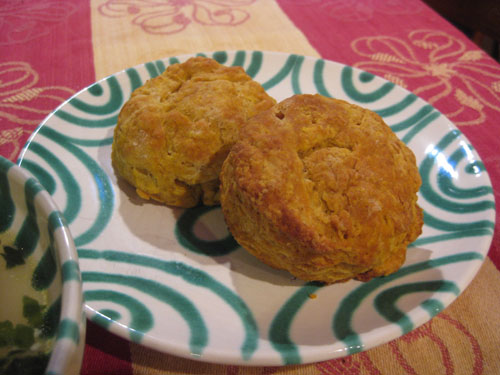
pixel 42 325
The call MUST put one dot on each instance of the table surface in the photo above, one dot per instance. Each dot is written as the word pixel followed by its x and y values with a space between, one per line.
pixel 51 49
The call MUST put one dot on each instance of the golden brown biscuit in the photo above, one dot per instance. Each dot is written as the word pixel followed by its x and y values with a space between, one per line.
pixel 322 188
pixel 175 131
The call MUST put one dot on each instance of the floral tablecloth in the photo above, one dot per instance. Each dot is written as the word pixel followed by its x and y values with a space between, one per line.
pixel 51 49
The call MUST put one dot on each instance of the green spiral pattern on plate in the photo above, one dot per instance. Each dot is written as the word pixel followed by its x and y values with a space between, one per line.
pixel 199 335
pixel 31 224
pixel 141 320
pixel 358 96
pixel 69 154
pixel 279 333
pixel 191 275
pixel 184 231
pixel 385 302
pixel 342 320
pixel 113 105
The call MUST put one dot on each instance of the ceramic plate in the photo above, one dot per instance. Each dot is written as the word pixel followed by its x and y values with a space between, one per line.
pixel 176 281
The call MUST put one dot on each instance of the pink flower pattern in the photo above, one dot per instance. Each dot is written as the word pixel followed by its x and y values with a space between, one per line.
pixel 173 16
pixel 438 67
pixel 24 104
pixel 360 10
pixel 22 21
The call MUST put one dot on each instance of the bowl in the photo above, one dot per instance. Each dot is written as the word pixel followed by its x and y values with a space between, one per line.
pixel 42 324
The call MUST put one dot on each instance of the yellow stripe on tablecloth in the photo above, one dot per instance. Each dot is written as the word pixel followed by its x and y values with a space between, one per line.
pixel 121 37
pixel 149 362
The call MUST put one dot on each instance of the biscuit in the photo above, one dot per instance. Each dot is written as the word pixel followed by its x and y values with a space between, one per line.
pixel 175 131
pixel 322 188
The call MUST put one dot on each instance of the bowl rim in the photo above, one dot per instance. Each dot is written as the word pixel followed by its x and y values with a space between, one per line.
pixel 67 350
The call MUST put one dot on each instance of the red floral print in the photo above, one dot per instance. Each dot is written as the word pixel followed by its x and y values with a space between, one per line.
pixel 173 16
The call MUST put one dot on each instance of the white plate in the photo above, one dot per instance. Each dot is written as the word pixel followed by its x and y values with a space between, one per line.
pixel 175 280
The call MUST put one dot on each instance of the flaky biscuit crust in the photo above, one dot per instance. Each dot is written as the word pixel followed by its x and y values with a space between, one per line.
pixel 324 189
pixel 175 131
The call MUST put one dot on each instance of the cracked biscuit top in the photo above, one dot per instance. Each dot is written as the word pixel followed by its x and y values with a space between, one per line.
pixel 322 188
pixel 175 131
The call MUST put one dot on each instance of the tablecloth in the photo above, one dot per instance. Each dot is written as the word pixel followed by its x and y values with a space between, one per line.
pixel 51 49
